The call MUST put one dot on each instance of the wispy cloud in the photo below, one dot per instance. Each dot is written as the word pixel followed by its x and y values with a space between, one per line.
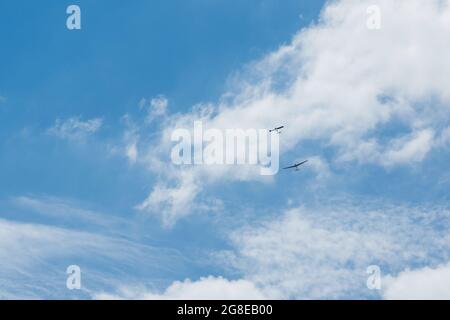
pixel 75 128
pixel 323 252
pixel 108 248
pixel 172 202
pixel 155 107
pixel 34 259
pixel 63 212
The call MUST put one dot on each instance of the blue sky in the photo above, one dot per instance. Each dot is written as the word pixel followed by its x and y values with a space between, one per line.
pixel 74 103
pixel 185 51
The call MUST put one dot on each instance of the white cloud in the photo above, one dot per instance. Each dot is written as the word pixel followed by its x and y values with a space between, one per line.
pixel 132 152
pixel 444 139
pixel 343 86
pixel 320 167
pixel 62 211
pixel 74 128
pixel 343 92
pixel 209 288
pixel 156 107
pixel 107 247
pixel 159 105
pixel 411 148
pixel 422 284
pixel 172 202
pixel 323 253
pixel 131 139
pixel 26 251
pixel 129 145
pixel 407 149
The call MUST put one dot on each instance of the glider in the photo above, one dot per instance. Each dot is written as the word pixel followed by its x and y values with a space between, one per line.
pixel 296 166
pixel 278 130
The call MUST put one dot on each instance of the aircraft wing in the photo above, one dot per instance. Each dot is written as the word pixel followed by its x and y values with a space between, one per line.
pixel 296 165
pixel 302 163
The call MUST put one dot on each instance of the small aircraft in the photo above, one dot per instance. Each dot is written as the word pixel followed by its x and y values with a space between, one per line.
pixel 278 130
pixel 296 166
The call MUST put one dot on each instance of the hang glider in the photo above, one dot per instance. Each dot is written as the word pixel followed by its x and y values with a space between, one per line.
pixel 278 129
pixel 296 166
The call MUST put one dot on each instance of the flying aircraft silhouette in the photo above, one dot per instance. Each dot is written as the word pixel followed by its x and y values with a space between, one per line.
pixel 278 129
pixel 296 166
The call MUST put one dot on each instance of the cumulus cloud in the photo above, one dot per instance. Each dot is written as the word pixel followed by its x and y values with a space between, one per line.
pixel 75 128
pixel 366 96
pixel 421 284
pixel 209 288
